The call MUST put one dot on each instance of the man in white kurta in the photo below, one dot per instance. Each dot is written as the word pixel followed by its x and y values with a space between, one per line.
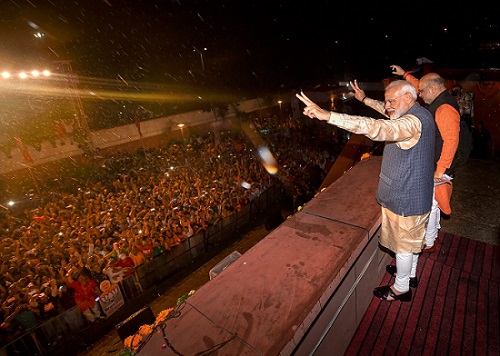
pixel 406 183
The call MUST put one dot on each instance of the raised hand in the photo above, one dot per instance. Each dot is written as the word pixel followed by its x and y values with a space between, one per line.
pixel 312 110
pixel 358 92
pixel 397 70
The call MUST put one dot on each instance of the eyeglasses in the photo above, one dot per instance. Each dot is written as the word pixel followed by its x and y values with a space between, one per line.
pixel 393 100
pixel 420 91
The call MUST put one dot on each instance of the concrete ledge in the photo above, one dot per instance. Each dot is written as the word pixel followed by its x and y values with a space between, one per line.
pixel 300 290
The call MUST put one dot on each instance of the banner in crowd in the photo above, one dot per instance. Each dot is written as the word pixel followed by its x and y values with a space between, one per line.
pixel 111 299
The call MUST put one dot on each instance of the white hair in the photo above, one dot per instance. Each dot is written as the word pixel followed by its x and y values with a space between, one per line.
pixel 404 87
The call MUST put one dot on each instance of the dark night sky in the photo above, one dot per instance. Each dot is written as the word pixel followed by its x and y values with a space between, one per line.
pixel 251 45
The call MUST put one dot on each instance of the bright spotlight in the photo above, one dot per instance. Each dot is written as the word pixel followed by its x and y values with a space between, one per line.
pixel 11 203
pixel 46 73
pixel 23 75
pixel 35 73
pixel 5 75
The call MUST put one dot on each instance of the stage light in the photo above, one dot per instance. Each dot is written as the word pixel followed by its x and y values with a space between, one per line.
pixel 201 56
pixel 23 75
pixel 181 126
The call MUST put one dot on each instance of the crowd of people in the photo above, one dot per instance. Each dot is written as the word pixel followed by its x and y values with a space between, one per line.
pixel 135 206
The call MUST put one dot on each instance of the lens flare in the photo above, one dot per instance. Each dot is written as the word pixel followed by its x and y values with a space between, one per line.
pixel 266 157
pixel 268 160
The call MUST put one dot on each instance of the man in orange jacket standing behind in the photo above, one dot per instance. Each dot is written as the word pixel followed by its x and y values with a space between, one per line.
pixel 431 88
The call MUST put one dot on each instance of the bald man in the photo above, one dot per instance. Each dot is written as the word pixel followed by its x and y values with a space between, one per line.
pixel 446 111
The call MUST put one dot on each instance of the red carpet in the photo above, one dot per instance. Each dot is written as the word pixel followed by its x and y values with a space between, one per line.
pixel 454 310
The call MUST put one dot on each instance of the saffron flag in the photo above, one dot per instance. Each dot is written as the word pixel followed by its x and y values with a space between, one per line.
pixel 137 123
pixel 24 149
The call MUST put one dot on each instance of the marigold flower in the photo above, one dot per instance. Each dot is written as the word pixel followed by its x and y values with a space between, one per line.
pixel 133 341
pixel 145 330
pixel 162 316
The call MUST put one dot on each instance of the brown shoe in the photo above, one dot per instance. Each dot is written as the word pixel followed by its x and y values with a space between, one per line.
pixel 432 248
pixel 429 249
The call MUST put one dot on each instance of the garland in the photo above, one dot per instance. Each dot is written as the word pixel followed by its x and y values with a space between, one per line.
pixel 134 343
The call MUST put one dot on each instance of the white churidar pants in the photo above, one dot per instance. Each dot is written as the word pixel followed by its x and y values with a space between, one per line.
pixel 406 265
pixel 433 225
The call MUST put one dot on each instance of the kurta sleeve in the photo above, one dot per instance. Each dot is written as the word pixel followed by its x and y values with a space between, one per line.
pixel 375 105
pixel 448 124
pixel 405 131
pixel 413 81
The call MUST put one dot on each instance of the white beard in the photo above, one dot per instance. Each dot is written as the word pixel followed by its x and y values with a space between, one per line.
pixel 393 114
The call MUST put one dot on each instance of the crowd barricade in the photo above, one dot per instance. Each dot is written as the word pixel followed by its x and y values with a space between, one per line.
pixel 151 273
pixel 26 344
pixel 197 244
pixel 214 233
pixel 261 200
pixel 130 287
pixel 244 216
pixel 43 338
pixel 182 254
pixel 229 226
